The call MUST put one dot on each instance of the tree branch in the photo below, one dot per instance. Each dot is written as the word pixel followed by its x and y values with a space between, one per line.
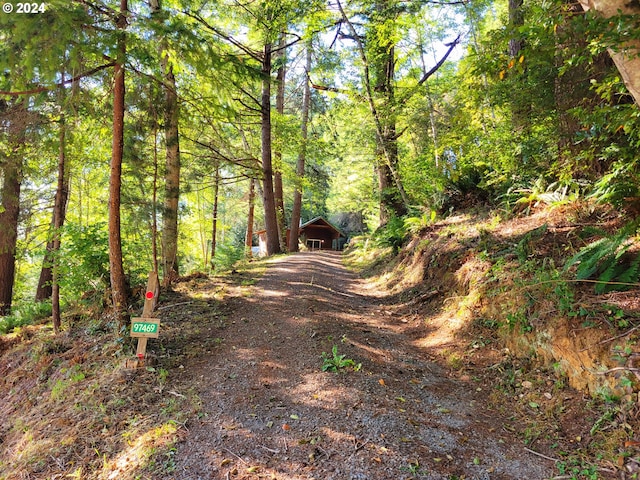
pixel 451 46
pixel 252 53
pixel 46 88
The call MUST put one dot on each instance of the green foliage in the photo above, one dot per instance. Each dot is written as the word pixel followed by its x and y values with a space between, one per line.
pixel 605 260
pixel 415 225
pixel 576 468
pixel 518 322
pixel 228 255
pixel 25 314
pixel 83 260
pixel 337 362
pixel 393 234
pixel 620 183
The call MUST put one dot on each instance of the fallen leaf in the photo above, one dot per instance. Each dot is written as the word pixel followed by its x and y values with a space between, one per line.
pixel 400 399
pixel 224 462
pixel 381 382
pixel 286 427
pixel 294 416
pixel 253 469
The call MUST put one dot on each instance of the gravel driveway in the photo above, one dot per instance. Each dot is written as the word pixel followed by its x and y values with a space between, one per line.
pixel 269 411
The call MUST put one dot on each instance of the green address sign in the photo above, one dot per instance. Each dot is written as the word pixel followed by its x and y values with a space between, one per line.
pixel 145 327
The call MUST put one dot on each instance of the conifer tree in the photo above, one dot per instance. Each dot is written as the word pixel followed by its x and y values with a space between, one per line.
pixel 116 268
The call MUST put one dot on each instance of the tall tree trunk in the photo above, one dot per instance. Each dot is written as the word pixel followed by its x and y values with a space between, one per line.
pixel 172 178
pixel 277 174
pixel 214 223
pixel 626 56
pixel 521 107
pixel 570 89
pixel 268 199
pixel 118 280
pixel 393 198
pixel 45 288
pixel 248 238
pixel 11 168
pixel 294 233
pixel 172 171
pixel 59 210
pixel 154 195
pixel 516 20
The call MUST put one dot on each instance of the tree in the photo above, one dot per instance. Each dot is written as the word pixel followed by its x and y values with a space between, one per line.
pixel 625 55
pixel 302 156
pixel 278 189
pixel 14 119
pixel 172 145
pixel 376 49
pixel 118 279
pixel 214 221
pixel 46 282
pixel 248 239
pixel 268 194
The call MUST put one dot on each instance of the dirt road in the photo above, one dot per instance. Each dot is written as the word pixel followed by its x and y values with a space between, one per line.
pixel 269 411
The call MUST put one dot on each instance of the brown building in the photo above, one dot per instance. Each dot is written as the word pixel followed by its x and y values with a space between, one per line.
pixel 316 234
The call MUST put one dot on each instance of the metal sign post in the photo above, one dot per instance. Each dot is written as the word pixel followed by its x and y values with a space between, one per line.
pixel 147 326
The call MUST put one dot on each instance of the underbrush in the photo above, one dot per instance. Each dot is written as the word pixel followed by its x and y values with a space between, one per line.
pixel 25 314
pixel 72 406
pixel 71 409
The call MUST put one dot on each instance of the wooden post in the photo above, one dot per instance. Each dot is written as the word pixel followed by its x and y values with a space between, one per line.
pixel 147 326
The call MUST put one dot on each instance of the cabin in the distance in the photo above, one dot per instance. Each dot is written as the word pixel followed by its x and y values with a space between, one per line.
pixel 316 234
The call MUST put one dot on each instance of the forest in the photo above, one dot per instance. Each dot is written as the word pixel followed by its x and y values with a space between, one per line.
pixel 142 135
pixel 479 159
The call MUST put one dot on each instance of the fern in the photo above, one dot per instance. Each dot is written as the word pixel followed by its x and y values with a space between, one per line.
pixel 591 256
pixel 603 260
pixel 631 274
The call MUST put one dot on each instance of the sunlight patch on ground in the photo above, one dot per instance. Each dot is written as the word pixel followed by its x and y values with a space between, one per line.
pixel 137 456
pixel 380 353
pixel 272 293
pixel 313 390
pixel 445 327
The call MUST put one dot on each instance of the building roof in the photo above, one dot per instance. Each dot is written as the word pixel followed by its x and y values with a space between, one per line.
pixel 317 222
pixel 323 223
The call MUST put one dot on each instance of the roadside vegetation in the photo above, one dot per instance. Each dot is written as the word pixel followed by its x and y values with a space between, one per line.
pixel 539 307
